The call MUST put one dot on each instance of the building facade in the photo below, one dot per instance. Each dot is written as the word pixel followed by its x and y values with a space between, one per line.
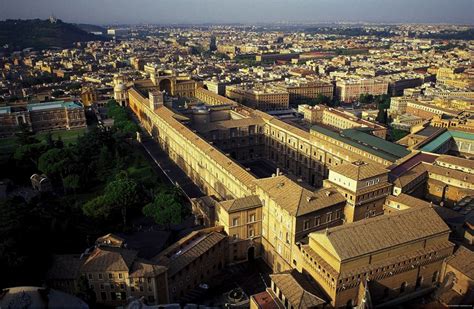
pixel 47 116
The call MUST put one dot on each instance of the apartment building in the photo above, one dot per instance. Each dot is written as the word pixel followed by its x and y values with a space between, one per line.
pixel 428 111
pixel 264 97
pixel 350 90
pixel 464 121
pixel 398 106
pixel 339 119
pixel 304 91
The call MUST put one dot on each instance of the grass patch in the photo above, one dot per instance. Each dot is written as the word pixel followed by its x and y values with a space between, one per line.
pixel 8 144
pixel 67 136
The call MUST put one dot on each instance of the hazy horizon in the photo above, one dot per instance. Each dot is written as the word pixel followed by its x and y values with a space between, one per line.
pixel 243 11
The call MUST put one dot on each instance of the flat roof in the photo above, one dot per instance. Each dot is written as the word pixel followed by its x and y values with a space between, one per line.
pixel 428 131
pixel 53 104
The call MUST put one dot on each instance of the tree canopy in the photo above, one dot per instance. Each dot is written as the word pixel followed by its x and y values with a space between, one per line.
pixel 165 209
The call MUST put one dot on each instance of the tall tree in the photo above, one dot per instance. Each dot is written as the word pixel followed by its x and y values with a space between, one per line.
pixel 119 196
pixel 122 194
pixel 72 182
pixel 165 209
pixel 54 163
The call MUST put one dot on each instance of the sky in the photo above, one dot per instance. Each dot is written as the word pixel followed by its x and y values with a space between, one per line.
pixel 241 11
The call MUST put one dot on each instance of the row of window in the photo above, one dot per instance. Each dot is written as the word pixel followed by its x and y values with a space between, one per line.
pixel 101 276
pixel 251 219
pixel 317 220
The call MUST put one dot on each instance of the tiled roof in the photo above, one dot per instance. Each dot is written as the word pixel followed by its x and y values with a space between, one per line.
pixel 109 259
pixel 409 175
pixel 297 289
pixel 409 162
pixel 296 199
pixel 378 233
pixel 265 300
pixel 463 260
pixel 143 268
pixel 103 259
pixel 190 251
pixel 359 170
pixel 456 161
pixel 243 203
pixel 450 173
pixel 408 200
pixel 231 167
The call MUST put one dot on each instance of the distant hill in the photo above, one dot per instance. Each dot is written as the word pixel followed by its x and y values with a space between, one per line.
pixel 92 28
pixel 40 34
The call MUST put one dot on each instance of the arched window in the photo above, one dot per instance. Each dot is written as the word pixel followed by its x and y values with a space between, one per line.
pixel 435 277
pixel 403 287
pixel 419 281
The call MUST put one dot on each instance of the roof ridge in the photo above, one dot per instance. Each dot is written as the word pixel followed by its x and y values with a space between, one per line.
pixel 372 220
pixel 299 201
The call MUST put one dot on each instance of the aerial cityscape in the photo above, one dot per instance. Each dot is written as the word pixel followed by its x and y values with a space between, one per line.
pixel 256 154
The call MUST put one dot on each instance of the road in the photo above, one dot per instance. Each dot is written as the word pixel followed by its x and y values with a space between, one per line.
pixel 167 169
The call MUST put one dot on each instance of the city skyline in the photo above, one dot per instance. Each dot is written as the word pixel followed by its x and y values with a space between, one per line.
pixel 248 12
pixel 247 154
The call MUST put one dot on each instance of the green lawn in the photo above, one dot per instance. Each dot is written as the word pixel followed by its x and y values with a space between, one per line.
pixel 67 136
pixel 7 145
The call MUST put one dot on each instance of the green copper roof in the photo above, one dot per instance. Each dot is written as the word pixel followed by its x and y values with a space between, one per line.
pixel 5 109
pixel 367 142
pixel 53 104
pixel 438 142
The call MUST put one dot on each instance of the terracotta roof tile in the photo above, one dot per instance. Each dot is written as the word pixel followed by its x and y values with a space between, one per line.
pixel 374 234
pixel 243 203
pixel 109 259
pixel 296 199
pixel 463 260
pixel 359 170
pixel 297 289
